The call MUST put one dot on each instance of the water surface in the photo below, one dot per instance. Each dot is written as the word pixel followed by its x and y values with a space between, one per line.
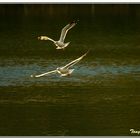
pixel 100 98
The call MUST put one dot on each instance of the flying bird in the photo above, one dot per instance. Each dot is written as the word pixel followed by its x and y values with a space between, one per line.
pixel 60 44
pixel 64 70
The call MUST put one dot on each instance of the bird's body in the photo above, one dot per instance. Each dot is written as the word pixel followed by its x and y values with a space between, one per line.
pixel 60 44
pixel 64 70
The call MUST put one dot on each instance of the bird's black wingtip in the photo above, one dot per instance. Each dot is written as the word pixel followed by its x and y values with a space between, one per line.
pixel 75 21
pixel 88 51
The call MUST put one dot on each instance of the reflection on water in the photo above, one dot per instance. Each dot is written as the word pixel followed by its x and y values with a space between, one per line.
pixel 101 96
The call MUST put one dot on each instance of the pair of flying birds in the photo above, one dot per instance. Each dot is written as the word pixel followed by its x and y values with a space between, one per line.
pixel 64 70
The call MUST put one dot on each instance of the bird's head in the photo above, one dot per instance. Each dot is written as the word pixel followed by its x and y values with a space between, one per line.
pixel 43 38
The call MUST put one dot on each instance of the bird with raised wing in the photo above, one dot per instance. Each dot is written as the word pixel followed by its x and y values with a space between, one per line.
pixel 64 70
pixel 60 44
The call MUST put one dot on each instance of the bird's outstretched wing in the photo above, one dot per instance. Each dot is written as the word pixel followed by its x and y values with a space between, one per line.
pixel 75 61
pixel 45 38
pixel 65 30
pixel 43 74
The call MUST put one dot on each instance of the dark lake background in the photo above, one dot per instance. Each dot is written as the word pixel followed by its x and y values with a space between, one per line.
pixel 100 98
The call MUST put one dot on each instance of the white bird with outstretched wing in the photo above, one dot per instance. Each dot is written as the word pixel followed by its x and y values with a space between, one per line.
pixel 60 43
pixel 63 71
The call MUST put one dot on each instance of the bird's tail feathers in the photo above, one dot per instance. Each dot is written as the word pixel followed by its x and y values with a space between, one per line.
pixel 71 70
pixel 66 44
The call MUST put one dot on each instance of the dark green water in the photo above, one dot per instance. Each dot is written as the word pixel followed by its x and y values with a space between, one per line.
pixel 100 98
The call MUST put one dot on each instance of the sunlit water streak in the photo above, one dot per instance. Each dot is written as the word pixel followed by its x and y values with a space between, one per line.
pixel 18 74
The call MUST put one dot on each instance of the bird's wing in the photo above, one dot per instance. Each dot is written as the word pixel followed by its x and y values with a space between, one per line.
pixel 43 74
pixel 45 38
pixel 75 61
pixel 51 40
pixel 65 30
